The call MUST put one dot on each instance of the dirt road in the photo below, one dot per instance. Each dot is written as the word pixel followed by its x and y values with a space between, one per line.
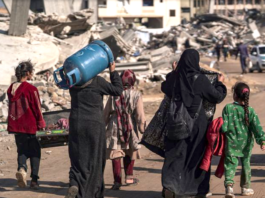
pixel 55 166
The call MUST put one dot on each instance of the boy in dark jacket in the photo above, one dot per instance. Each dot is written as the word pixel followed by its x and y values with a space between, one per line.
pixel 24 119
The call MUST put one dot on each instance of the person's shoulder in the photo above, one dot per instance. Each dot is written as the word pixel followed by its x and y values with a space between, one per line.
pixel 99 78
pixel 202 77
pixel 251 110
pixel 229 106
pixel 30 87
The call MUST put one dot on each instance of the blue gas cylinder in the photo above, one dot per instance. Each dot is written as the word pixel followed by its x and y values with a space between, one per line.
pixel 84 65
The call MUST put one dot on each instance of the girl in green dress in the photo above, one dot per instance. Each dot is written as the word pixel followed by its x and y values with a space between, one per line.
pixel 240 124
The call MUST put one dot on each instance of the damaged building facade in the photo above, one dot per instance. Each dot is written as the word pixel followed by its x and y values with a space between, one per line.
pixel 151 13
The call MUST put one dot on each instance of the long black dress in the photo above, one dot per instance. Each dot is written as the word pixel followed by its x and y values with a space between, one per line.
pixel 181 173
pixel 87 139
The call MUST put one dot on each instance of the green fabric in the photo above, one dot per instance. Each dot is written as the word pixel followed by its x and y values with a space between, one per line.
pixel 231 164
pixel 239 137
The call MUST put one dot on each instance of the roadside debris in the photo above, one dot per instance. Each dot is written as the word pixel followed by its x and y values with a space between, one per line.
pixel 148 52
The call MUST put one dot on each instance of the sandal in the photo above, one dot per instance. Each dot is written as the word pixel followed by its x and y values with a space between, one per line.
pixel 116 186
pixel 134 183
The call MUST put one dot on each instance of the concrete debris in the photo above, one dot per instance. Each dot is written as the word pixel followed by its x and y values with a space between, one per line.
pixel 115 41
pixel 51 38
pixel 61 26
pixel 48 152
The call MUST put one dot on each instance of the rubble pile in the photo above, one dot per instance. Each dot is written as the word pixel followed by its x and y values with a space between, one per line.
pixel 61 26
pixel 148 52
pixel 203 33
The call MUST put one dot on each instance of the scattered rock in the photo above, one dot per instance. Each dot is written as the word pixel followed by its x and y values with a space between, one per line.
pixel 39 83
pixel 8 148
pixel 48 152
pixel 57 108
pixel 60 101
pixel 67 106
pixel 48 106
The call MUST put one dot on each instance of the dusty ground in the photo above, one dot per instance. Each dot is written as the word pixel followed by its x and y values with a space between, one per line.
pixel 55 166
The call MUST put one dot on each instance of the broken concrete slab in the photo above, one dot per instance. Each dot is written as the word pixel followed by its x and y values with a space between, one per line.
pixel 116 43
pixel 43 55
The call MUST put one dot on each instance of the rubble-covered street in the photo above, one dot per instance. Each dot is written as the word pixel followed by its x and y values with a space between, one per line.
pixel 55 160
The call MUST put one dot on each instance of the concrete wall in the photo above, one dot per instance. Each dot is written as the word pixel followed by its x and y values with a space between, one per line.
pixel 115 8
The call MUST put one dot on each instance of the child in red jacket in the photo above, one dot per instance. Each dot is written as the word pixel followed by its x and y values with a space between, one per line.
pixel 24 119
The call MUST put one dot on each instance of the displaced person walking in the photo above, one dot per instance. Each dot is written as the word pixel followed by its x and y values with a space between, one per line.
pixel 243 50
pixel 87 136
pixel 218 48
pixel 125 120
pixel 225 49
pixel 24 119
pixel 240 124
pixel 181 173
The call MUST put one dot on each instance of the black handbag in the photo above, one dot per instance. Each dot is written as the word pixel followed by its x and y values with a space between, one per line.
pixel 179 122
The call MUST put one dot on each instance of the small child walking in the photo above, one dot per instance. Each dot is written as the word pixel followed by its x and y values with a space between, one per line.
pixel 24 119
pixel 240 124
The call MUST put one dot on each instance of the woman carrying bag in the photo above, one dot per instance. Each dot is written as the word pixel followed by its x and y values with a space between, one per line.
pixel 181 173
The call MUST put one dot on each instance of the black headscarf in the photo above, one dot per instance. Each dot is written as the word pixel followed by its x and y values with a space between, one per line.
pixel 188 67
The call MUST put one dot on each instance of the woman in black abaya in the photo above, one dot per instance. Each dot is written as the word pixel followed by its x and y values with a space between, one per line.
pixel 181 175
pixel 87 136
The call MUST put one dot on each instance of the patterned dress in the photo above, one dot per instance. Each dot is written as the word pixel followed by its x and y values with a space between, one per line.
pixel 115 147
pixel 240 141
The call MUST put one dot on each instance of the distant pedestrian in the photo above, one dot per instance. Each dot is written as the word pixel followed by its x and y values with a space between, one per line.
pixel 87 137
pixel 125 120
pixel 240 124
pixel 24 119
pixel 187 43
pixel 225 48
pixel 244 55
pixel 218 48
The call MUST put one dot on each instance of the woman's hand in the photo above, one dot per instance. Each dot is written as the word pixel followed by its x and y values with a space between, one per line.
pixel 174 65
pixel 112 66
pixel 221 78
pixel 263 146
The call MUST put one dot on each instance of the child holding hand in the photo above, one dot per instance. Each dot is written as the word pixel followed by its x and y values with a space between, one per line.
pixel 240 124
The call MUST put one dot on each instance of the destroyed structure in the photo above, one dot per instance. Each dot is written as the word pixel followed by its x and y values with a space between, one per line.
pixel 51 38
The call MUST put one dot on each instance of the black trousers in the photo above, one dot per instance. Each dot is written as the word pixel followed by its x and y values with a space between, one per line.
pixel 28 147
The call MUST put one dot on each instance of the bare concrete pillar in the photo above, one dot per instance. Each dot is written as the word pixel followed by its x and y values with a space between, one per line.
pixel 235 10
pixel 93 4
pixel 217 7
pixel 19 17
pixel 226 8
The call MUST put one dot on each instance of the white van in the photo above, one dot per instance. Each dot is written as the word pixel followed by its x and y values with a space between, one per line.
pixel 257 58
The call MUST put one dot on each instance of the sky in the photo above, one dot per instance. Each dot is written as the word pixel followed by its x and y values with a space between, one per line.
pixel 1 3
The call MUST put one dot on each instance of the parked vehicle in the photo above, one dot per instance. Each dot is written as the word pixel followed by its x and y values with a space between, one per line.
pixel 257 59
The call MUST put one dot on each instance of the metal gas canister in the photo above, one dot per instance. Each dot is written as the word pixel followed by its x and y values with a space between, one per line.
pixel 84 65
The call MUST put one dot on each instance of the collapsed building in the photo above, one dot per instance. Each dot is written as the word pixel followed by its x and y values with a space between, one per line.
pixel 51 38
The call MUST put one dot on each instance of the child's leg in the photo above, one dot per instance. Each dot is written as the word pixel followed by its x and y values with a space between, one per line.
pixel 22 147
pixel 245 173
pixel 116 165
pixel 128 168
pixel 231 164
pixel 128 165
pixel 35 155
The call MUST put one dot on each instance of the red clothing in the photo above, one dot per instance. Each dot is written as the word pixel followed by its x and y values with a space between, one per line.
pixel 24 114
pixel 215 146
